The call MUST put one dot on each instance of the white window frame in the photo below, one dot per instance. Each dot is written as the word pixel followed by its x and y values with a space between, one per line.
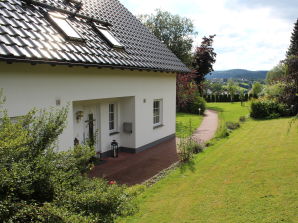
pixel 159 115
pixel 57 18
pixel 115 115
pixel 108 36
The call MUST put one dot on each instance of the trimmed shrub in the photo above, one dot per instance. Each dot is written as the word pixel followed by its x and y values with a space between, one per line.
pixel 265 108
pixel 198 103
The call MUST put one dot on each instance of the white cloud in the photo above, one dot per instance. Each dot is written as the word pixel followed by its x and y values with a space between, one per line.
pixel 253 38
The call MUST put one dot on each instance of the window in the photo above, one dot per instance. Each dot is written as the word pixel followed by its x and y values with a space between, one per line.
pixel 157 112
pixel 64 26
pixel 112 117
pixel 107 35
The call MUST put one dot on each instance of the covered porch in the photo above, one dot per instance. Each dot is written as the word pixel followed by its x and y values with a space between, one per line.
pixel 100 121
pixel 136 168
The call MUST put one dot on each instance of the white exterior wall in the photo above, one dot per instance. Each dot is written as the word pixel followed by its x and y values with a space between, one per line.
pixel 26 86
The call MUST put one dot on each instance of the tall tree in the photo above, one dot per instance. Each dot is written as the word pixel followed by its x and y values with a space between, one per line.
pixel 174 31
pixel 290 93
pixel 293 48
pixel 203 61
pixel 232 88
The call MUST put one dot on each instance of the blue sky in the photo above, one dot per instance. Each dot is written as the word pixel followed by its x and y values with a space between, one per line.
pixel 251 34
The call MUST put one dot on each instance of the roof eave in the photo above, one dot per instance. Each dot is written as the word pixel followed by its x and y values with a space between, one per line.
pixel 86 65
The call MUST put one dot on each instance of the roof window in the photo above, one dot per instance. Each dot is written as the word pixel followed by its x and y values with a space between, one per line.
pixel 63 25
pixel 107 35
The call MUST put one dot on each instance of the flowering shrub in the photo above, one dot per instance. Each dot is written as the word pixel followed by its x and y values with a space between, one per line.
pixel 111 182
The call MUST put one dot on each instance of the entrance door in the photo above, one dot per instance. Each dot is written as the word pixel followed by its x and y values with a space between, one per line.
pixel 90 127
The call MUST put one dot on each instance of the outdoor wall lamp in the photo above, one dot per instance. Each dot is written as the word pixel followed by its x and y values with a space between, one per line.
pixel 79 115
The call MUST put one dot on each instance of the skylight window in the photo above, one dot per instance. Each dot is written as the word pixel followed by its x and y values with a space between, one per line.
pixel 108 36
pixel 64 26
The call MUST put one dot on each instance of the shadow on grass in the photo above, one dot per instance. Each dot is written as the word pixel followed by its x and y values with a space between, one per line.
pixel 269 118
pixel 215 109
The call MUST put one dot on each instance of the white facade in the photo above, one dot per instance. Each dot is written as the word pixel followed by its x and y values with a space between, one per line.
pixel 90 91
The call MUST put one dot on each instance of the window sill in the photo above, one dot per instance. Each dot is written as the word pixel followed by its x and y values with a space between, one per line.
pixel 158 126
pixel 114 133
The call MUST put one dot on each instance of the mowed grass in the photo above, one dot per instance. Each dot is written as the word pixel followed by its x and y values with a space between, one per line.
pixel 186 124
pixel 229 112
pixel 251 176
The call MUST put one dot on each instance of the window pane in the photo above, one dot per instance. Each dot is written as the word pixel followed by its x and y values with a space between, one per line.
pixel 111 125
pixel 110 37
pixel 156 111
pixel 111 116
pixel 111 107
pixel 62 23
pixel 156 104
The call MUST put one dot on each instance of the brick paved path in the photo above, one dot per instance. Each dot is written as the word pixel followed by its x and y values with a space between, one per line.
pixel 132 169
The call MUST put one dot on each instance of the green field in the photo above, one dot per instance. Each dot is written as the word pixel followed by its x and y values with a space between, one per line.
pixel 186 124
pixel 229 112
pixel 251 176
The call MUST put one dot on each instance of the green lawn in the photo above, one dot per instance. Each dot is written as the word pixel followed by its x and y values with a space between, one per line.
pixel 184 121
pixel 251 176
pixel 229 112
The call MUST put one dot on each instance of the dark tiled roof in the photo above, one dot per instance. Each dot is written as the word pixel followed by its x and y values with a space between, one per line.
pixel 26 35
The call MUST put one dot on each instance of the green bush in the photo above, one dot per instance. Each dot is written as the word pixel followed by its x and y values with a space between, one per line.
pixel 40 185
pixel 83 156
pixel 197 106
pixel 266 108
pixel 232 125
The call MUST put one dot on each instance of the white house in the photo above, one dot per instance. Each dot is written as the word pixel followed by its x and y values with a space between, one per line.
pixel 118 78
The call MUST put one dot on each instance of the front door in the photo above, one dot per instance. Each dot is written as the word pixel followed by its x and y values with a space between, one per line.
pixel 91 126
pixel 90 129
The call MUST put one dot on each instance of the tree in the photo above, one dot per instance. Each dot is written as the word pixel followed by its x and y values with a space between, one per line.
pixel 232 89
pixel 293 48
pixel 277 73
pixel 186 91
pixel 241 95
pixel 203 61
pixel 257 88
pixel 290 92
pixel 174 31
pixel 214 87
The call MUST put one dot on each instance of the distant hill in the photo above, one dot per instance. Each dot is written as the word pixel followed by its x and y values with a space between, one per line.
pixel 238 73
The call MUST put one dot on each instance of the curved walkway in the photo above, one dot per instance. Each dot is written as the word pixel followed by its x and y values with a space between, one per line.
pixel 208 127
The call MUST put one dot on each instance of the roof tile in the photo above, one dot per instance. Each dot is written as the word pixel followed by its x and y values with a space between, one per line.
pixel 26 33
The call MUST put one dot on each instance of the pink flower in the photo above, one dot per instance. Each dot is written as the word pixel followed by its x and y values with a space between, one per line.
pixel 111 182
